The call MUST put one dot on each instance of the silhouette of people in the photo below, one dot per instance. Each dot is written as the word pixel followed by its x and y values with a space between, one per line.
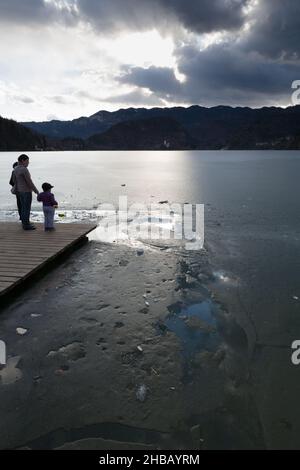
pixel 24 187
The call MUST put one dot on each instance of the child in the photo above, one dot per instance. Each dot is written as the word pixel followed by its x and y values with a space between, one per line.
pixel 49 205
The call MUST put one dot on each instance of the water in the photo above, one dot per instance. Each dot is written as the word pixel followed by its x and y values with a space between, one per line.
pixel 83 180
pixel 196 327
pixel 253 188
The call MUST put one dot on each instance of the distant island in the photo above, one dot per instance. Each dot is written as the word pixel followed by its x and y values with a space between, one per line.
pixel 177 128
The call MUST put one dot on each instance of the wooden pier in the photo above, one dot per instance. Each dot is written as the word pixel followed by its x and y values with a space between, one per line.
pixel 23 253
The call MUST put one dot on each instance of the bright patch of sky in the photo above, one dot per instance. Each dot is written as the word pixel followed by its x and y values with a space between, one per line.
pixel 71 72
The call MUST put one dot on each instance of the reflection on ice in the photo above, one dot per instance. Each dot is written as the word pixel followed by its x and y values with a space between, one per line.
pixel 223 278
pixel 195 325
pixel 116 226
pixel 123 226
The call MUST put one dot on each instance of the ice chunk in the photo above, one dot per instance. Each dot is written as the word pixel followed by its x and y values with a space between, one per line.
pixel 141 393
pixel 21 331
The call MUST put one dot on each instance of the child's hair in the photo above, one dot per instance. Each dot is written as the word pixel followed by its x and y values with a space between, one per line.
pixel 23 158
pixel 47 186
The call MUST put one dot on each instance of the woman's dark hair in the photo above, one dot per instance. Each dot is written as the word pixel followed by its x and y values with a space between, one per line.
pixel 23 158
pixel 15 164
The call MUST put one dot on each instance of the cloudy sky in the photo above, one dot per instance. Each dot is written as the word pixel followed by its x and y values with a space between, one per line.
pixel 69 58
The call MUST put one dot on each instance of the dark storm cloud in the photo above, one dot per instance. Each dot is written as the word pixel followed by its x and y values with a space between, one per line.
pixel 275 30
pixel 256 62
pixel 217 74
pixel 254 68
pixel 208 15
pixel 111 16
pixel 194 15
pixel 158 79
pixel 31 12
pixel 227 67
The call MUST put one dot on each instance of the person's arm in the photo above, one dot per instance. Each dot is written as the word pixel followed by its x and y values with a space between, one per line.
pixel 29 181
pixel 12 180
pixel 39 198
pixel 53 201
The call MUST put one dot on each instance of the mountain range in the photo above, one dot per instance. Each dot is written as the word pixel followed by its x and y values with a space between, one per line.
pixel 205 128
pixel 196 127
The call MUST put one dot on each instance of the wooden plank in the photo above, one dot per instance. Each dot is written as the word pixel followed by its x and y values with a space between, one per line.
pixel 12 268
pixel 8 266
pixel 5 284
pixel 6 258
pixel 25 255
pixel 59 228
pixel 25 259
pixel 10 259
pixel 44 241
pixel 41 251
pixel 11 272
pixel 18 257
pixel 18 277
pixel 49 243
pixel 9 278
pixel 17 243
pixel 30 248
